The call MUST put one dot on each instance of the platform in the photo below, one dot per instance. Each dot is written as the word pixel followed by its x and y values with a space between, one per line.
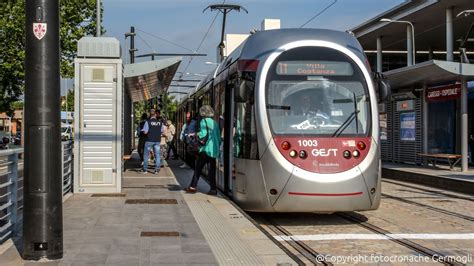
pixel 154 222
pixel 440 177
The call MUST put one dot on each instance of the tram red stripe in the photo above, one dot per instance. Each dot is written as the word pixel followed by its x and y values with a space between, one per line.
pixel 325 194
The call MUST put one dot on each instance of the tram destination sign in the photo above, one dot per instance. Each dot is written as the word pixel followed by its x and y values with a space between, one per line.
pixel 443 93
pixel 314 68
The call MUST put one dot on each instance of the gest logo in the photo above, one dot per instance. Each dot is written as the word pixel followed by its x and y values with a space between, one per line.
pixel 324 152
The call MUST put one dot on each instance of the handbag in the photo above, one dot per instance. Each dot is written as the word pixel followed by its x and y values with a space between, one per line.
pixel 202 141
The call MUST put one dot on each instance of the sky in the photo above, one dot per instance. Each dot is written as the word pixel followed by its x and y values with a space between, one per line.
pixel 158 23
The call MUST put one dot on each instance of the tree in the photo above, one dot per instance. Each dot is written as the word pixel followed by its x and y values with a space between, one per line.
pixel 67 102
pixel 77 18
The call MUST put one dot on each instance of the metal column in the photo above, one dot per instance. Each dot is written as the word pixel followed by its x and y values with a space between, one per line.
pixel 409 46
pixel 425 122
pixel 464 125
pixel 42 213
pixel 379 54
pixel 449 35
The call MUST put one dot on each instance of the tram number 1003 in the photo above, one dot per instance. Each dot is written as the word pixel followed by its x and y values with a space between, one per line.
pixel 308 143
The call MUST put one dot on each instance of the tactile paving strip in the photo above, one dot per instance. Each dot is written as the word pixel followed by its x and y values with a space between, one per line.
pixel 226 245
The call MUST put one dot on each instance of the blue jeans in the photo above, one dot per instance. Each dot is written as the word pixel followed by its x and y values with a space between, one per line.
pixel 156 150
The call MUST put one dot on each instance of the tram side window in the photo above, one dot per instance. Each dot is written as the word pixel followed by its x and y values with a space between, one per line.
pixel 245 133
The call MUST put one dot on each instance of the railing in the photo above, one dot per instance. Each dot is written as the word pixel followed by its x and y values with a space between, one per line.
pixel 11 186
pixel 9 192
pixel 67 162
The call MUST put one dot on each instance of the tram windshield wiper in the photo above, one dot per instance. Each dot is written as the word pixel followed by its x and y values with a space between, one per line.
pixel 348 121
pixel 345 124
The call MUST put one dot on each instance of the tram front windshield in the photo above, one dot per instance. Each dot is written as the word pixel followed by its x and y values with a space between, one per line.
pixel 317 96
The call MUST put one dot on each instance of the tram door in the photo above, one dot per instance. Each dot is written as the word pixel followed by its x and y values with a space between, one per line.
pixel 219 101
pixel 228 154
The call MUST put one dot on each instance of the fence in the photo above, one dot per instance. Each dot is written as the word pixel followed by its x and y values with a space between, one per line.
pixel 11 186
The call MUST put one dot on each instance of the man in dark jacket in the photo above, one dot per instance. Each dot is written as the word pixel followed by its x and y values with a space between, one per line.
pixel 153 129
pixel 142 136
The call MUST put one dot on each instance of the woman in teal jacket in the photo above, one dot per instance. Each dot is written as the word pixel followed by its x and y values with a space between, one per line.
pixel 209 151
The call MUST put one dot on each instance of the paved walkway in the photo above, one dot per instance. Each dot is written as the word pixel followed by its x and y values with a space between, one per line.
pixel 171 227
pixel 440 177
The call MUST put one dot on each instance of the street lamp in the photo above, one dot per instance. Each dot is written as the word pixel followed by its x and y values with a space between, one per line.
pixel 412 33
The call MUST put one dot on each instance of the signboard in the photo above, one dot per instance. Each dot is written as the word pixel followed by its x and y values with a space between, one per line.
pixel 407 105
pixel 443 93
pixel 318 68
pixel 407 126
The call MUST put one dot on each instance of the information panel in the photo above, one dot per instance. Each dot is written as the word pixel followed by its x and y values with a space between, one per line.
pixel 311 68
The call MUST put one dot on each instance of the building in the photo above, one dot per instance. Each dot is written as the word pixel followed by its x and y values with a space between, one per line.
pixel 232 41
pixel 428 112
pixel 11 125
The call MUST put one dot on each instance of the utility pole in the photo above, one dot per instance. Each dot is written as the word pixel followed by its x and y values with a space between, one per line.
pixel 132 49
pixel 42 211
pixel 129 138
pixel 224 9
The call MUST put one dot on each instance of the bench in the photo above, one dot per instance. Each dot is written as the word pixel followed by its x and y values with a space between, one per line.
pixel 452 159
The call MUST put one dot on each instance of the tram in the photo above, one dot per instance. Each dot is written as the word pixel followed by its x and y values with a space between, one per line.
pixel 299 116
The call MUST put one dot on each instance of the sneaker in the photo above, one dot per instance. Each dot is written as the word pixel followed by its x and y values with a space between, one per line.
pixel 183 166
pixel 142 171
pixel 156 172
pixel 191 190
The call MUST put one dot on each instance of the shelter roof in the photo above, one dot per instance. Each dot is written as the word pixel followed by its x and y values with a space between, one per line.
pixel 148 80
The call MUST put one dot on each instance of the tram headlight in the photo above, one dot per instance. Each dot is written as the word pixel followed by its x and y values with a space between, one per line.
pixel 361 145
pixel 355 153
pixel 293 154
pixel 303 154
pixel 285 145
pixel 346 154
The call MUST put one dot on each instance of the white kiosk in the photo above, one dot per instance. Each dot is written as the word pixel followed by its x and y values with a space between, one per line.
pixel 98 116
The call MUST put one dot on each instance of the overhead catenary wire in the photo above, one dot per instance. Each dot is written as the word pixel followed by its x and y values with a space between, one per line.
pixel 167 41
pixel 202 40
pixel 146 43
pixel 319 13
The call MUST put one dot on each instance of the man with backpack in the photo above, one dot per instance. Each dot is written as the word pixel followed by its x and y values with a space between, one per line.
pixel 153 129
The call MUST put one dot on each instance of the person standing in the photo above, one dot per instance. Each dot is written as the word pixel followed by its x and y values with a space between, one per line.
pixel 209 137
pixel 170 139
pixel 153 129
pixel 187 135
pixel 141 136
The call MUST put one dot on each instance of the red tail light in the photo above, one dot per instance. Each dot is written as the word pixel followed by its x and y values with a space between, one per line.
pixel 248 65
pixel 361 145
pixel 285 145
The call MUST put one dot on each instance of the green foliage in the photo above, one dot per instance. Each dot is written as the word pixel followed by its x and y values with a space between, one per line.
pixel 77 19
pixel 18 105
pixel 138 110
pixel 67 103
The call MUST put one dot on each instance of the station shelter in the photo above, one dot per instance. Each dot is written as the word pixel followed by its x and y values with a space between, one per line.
pixel 425 49
pixel 105 91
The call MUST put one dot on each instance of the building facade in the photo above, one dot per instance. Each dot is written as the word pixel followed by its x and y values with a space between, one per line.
pixel 425 50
